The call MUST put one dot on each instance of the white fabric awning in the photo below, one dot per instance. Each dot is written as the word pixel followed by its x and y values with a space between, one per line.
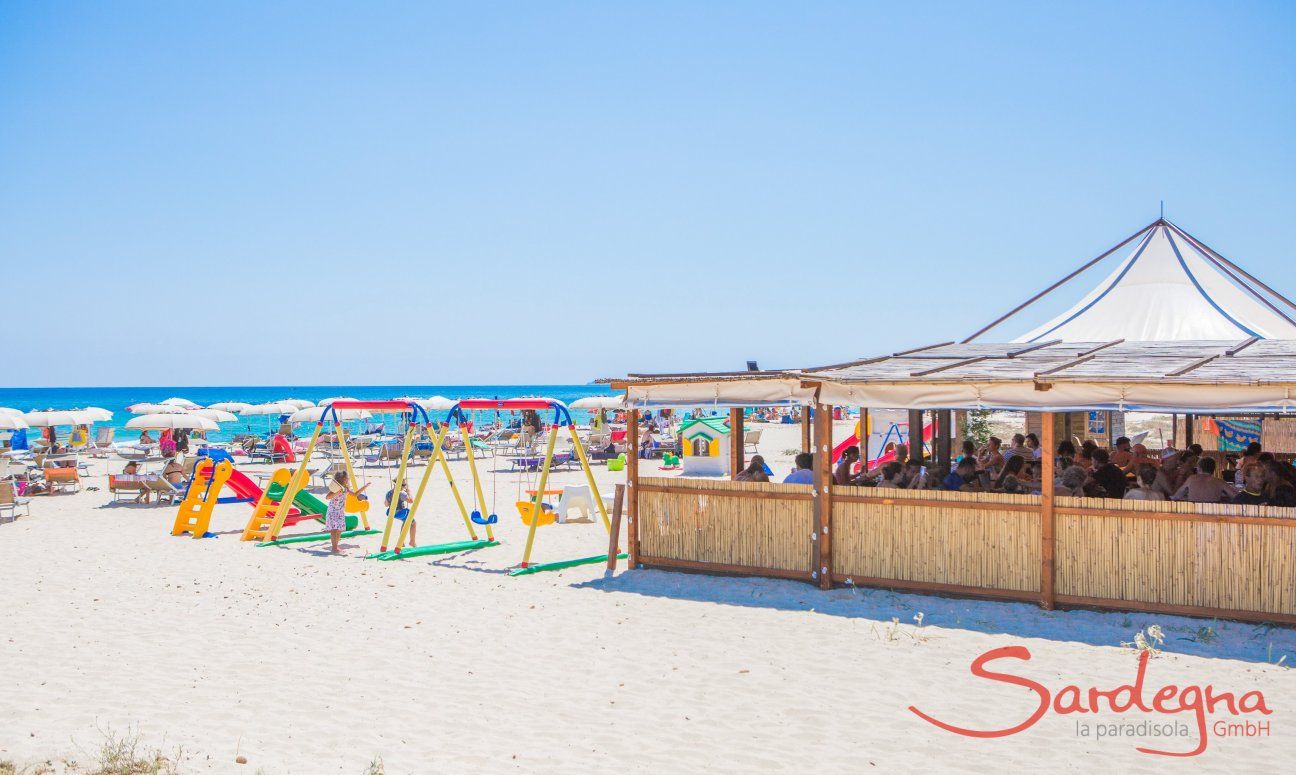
pixel 721 393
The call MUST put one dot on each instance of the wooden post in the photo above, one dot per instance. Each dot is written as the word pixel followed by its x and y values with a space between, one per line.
pixel 916 435
pixel 1188 431
pixel 632 488
pixel 864 439
pixel 806 444
pixel 944 441
pixel 736 444
pixel 823 444
pixel 1174 431
pixel 1047 517
pixel 614 535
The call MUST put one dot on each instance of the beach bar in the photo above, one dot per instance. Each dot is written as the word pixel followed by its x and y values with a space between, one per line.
pixel 1215 560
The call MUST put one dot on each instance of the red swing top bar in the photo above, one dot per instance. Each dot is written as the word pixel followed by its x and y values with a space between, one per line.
pixel 507 403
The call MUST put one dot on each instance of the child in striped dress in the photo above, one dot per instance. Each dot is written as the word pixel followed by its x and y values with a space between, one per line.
pixel 335 516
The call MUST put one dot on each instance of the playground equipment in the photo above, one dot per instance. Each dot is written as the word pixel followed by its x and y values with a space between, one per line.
pixel 706 446
pixel 893 436
pixel 526 509
pixel 438 436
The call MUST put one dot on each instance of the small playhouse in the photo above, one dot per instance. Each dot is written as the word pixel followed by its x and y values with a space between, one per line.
pixel 706 446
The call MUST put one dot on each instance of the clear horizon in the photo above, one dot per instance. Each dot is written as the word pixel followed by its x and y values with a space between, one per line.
pixel 249 194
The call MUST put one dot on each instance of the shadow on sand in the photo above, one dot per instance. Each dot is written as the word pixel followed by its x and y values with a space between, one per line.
pixel 1220 639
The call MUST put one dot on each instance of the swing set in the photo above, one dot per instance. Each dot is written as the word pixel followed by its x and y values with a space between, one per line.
pixel 532 511
pixel 268 518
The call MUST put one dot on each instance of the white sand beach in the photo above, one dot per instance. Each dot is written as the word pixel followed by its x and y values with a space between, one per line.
pixel 300 662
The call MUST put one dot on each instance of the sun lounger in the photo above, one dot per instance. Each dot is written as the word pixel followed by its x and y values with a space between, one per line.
pixel 163 489
pixel 128 485
pixel 62 479
pixel 751 441
pixel 10 502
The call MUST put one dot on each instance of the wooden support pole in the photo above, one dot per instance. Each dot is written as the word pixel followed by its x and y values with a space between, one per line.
pixel 823 445
pixel 864 439
pixel 945 441
pixel 916 435
pixel 1047 517
pixel 614 535
pixel 806 444
pixel 1188 431
pixel 736 445
pixel 632 488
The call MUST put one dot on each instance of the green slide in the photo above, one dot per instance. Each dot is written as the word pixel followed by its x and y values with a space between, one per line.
pixel 307 502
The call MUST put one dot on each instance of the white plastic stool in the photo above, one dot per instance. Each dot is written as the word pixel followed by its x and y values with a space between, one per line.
pixel 576 496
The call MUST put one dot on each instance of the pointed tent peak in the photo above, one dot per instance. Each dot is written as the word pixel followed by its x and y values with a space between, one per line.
pixel 1170 287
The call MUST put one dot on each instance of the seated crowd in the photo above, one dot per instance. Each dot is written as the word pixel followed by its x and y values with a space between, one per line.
pixel 1128 471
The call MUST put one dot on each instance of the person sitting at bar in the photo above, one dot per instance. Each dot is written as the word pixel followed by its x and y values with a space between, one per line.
pixel 1071 482
pixel 844 472
pixel 1033 446
pixel 1254 486
pixel 963 477
pixel 1203 486
pixel 1122 455
pixel 991 458
pixel 1140 456
pixel 1168 480
pixel 754 472
pixel 1017 448
pixel 1108 475
pixel 915 475
pixel 1145 489
pixel 1013 467
pixel 892 476
pixel 1250 457
pixel 1065 456
pixel 901 457
pixel 804 471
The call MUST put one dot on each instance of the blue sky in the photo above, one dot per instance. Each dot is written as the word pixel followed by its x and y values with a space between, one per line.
pixel 245 193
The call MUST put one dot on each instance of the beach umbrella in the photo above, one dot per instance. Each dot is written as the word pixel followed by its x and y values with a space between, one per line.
pixel 237 407
pixel 12 422
pixel 440 403
pixel 273 407
pixel 148 408
pixel 215 415
pixel 598 402
pixel 52 418
pixel 7 410
pixel 99 414
pixel 158 422
pixel 327 401
pixel 183 403
pixel 314 413
pixel 296 402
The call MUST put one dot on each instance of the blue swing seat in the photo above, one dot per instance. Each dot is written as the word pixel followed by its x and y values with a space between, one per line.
pixel 478 519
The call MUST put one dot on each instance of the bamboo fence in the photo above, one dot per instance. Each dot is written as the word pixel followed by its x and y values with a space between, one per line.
pixel 982 543
pixel 726 526
pixel 1229 559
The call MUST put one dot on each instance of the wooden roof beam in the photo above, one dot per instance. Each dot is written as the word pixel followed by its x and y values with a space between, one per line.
pixel 1237 348
pixel 954 365
pixel 876 359
pixel 1032 348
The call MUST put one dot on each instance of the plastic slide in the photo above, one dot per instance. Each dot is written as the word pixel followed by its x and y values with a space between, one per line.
pixel 880 459
pixel 247 490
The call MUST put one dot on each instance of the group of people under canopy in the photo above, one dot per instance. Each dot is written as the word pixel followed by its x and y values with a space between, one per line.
pixel 1126 471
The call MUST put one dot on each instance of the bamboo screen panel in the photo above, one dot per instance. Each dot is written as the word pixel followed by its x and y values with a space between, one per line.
pixel 987 541
pixel 755 525
pixel 1188 554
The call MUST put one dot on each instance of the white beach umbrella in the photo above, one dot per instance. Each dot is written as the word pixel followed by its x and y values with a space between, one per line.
pixel 237 407
pixel 158 422
pixel 440 403
pixel 327 401
pixel 183 403
pixel 314 413
pixel 273 407
pixel 99 414
pixel 64 417
pixel 7 410
pixel 148 408
pixel 598 402
pixel 215 415
pixel 299 403
pixel 12 422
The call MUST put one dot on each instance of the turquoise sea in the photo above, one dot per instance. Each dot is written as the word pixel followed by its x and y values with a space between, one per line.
pixel 116 399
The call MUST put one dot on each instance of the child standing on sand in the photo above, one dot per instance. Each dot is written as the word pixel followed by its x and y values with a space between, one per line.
pixel 335 517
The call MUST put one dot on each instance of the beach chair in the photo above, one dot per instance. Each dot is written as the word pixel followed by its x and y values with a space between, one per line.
pixel 62 479
pixel 10 502
pixel 163 489
pixel 104 438
pixel 124 485
pixel 751 440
